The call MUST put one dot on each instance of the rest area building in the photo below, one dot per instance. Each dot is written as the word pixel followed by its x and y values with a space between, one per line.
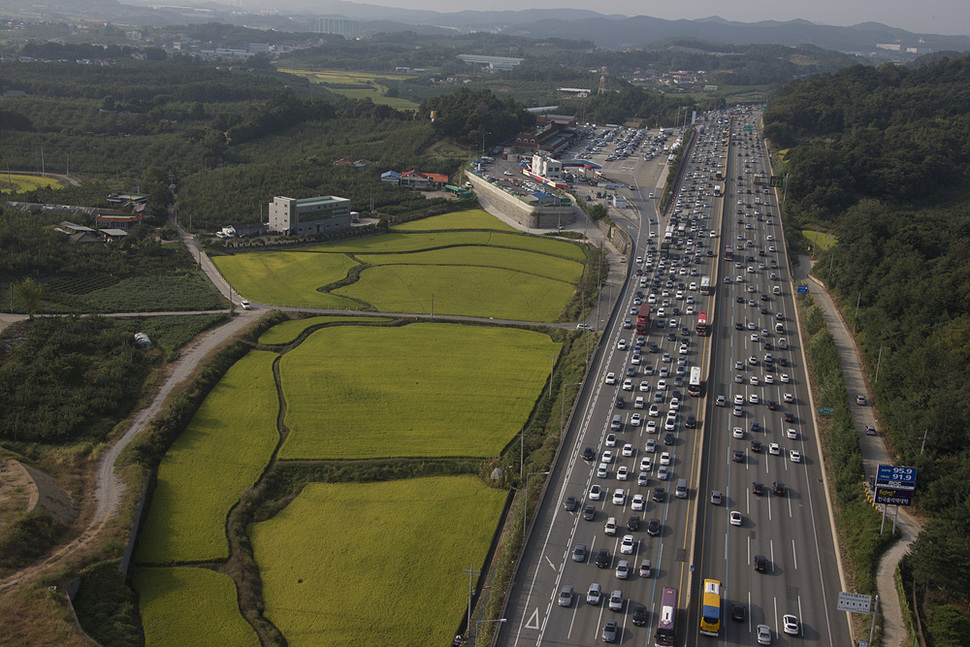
pixel 309 215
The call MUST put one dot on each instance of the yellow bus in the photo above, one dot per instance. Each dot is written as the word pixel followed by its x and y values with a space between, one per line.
pixel 711 612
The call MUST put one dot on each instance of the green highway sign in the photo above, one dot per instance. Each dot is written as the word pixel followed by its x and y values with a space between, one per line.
pixel 825 411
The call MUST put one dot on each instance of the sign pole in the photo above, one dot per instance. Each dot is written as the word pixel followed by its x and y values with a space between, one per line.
pixel 875 612
pixel 882 527
pixel 895 519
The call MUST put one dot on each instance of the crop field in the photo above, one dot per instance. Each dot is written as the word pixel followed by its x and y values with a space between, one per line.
pixel 332 578
pixel 425 389
pixel 470 219
pixel 18 183
pixel 288 331
pixel 496 282
pixel 289 278
pixel 223 451
pixel 171 332
pixel 187 606
pixel 356 85
pixel 472 291
pixel 551 267
pixel 820 240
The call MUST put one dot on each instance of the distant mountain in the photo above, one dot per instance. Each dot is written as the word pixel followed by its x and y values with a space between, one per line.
pixel 607 31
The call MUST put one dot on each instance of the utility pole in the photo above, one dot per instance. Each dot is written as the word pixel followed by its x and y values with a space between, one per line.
pixel 471 583
pixel 923 444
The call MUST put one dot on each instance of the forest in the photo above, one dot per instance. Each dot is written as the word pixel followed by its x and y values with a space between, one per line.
pixel 880 158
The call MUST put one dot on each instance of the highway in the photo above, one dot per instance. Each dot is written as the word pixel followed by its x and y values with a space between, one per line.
pixel 696 540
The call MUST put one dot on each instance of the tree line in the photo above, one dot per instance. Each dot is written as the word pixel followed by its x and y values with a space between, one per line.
pixel 879 157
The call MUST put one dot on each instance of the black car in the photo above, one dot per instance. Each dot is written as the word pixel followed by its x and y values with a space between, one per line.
pixel 658 494
pixel 739 298
pixel 764 311
pixel 669 438
pixel 653 527
pixel 684 331
pixel 589 454
pixel 756 446
pixel 672 336
pixel 772 405
pixel 789 417
pixel 758 488
pixel 603 558
pixel 639 615
pixel 611 631
pixel 738 325
pixel 571 503
pixel 782 361
pixel 633 523
pixel 589 512
pixel 761 563
pixel 778 488
pixel 652 347
pixel 691 422
pixel 768 346
pixel 738 456
pixel 620 402
pixel 738 612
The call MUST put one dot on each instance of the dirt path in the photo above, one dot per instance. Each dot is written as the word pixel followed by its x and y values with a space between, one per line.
pixel 874 453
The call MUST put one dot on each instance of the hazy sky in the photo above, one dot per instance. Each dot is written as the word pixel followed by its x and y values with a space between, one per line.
pixel 921 16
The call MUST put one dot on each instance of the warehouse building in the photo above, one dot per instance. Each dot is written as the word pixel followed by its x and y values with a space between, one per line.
pixel 309 215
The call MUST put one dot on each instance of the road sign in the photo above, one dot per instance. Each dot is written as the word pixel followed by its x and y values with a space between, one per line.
pixel 802 289
pixel 855 602
pixel 825 411
pixel 893 497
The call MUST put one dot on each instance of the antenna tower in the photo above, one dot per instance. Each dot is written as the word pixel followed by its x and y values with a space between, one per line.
pixel 602 89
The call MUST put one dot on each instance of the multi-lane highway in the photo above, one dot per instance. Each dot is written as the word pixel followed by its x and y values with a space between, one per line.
pixel 675 436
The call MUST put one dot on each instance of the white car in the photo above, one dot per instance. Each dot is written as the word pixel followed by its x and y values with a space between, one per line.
pixel 795 456
pixel 662 473
pixel 675 404
pixel 735 518
pixel 651 445
pixel 621 345
pixel 627 450
pixel 754 337
pixel 595 493
pixel 738 398
pixel 653 412
pixel 769 378
pixel 665 458
pixel 646 464
pixel 638 502
pixel 684 349
pixel 627 385
pixel 788 397
pixel 790 623
pixel 644 386
pixel 738 432
pixel 791 433
pixel 661 385
pixel 628 544
pixel 622 473
pixel 774 449
pixel 607 457
pixel 786 378
pixel 619 497
pixel 611 378
pixel 636 419
pixel 754 398
pixel 611 440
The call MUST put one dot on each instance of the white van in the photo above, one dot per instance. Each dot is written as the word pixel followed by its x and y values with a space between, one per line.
pixel 681 491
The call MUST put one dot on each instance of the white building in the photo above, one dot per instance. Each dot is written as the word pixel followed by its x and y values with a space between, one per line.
pixel 547 167
pixel 309 215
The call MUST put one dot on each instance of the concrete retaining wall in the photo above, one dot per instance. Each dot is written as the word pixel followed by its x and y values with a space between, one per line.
pixel 492 197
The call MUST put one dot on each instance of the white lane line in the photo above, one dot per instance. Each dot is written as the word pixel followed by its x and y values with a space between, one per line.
pixel 794 553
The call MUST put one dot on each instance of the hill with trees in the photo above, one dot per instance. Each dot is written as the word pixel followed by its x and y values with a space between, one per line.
pixel 880 157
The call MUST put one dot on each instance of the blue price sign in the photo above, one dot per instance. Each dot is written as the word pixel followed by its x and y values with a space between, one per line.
pixel 802 289
pixel 894 473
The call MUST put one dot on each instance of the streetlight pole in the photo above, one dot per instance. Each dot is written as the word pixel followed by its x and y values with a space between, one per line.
pixel 481 622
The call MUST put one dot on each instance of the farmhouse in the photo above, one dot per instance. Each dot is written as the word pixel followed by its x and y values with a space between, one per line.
pixel 309 215
pixel 111 219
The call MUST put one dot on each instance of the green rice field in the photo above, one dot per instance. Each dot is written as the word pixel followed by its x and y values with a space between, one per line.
pixel 552 267
pixel 287 278
pixel 470 219
pixel 223 451
pixel 190 607
pixel 387 574
pixel 502 275
pixel 457 290
pixel 425 389
pixel 288 331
